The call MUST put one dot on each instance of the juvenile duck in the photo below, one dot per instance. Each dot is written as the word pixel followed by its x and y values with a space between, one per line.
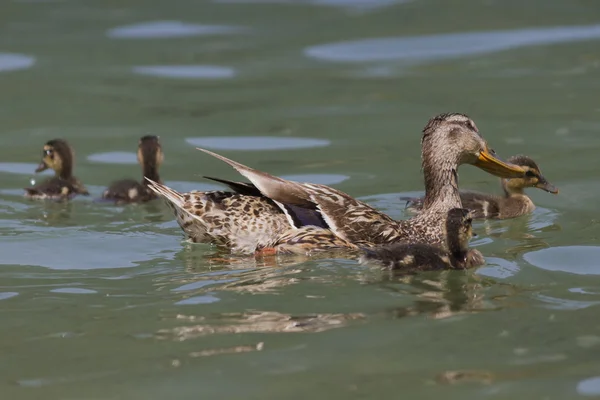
pixel 150 156
pixel 513 204
pixel 58 155
pixel 427 257
pixel 255 216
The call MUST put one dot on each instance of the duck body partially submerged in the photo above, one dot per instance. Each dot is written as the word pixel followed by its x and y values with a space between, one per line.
pixel 58 155
pixel 409 257
pixel 273 214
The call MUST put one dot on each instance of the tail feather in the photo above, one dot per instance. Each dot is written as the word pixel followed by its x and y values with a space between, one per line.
pixel 171 196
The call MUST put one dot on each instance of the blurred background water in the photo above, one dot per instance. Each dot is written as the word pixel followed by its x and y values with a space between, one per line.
pixel 104 302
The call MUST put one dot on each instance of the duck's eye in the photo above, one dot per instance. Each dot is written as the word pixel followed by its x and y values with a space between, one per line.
pixel 530 174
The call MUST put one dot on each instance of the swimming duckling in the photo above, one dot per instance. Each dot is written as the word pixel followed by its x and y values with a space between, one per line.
pixel 513 204
pixel 426 257
pixel 58 155
pixel 150 156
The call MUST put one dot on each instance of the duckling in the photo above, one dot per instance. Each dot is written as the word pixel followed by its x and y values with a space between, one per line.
pixel 513 204
pixel 150 157
pixel 425 257
pixel 58 155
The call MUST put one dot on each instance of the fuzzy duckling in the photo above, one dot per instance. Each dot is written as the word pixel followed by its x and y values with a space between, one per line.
pixel 513 204
pixel 427 257
pixel 58 155
pixel 150 157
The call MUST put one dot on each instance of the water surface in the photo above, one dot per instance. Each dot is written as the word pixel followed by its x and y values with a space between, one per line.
pixel 108 302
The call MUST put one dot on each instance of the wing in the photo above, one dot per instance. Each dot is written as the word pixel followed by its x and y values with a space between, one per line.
pixel 320 205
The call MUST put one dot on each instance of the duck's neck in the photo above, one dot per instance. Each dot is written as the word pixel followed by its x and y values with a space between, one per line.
pixel 151 172
pixel 66 170
pixel 441 189
pixel 511 190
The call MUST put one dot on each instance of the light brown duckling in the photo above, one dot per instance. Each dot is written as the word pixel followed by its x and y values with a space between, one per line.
pixel 427 257
pixel 150 156
pixel 513 204
pixel 58 155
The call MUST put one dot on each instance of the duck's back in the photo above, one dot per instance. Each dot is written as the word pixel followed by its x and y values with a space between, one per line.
pixel 56 188
pixel 481 205
pixel 128 191
pixel 409 257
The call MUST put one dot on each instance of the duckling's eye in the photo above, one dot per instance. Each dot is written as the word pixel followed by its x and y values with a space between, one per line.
pixel 530 174
pixel 49 153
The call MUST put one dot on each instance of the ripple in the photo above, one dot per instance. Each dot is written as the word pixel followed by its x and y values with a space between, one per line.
pixel 73 291
pixel 555 303
pixel 8 295
pixel 186 71
pixel 446 46
pixel 498 268
pixel 22 168
pixel 589 387
pixel 353 4
pixel 84 251
pixel 256 142
pixel 581 260
pixel 114 157
pixel 207 299
pixel 169 29
pixel 14 62
pixel 321 179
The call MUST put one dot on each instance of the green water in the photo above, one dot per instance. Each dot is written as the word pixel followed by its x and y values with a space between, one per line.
pixel 103 302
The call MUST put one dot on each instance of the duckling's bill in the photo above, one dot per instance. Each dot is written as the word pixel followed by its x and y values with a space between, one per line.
pixel 488 162
pixel 547 186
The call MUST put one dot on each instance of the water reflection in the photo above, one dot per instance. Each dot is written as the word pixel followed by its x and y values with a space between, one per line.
pixel 446 294
pixel 114 157
pixel 438 47
pixel 249 143
pixel 14 62
pixel 256 322
pixel 186 71
pixel 169 29
pixel 581 260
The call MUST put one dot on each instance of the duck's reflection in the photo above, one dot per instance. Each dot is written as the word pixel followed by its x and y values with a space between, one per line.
pixel 256 322
pixel 445 294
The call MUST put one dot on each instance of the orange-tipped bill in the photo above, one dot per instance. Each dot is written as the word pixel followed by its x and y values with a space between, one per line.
pixel 488 162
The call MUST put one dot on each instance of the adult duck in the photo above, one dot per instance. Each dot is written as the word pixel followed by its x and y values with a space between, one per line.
pixel 273 215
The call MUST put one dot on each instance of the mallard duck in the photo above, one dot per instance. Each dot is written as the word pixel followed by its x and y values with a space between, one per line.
pixel 150 156
pixel 255 216
pixel 513 204
pixel 423 256
pixel 58 155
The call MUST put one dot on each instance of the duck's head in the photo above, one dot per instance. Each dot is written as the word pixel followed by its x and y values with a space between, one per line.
pixel 150 155
pixel 533 177
pixel 453 139
pixel 459 228
pixel 459 231
pixel 57 155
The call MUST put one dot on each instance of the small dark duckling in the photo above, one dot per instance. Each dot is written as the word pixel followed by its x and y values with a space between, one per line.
pixel 58 155
pixel 150 156
pixel 427 257
pixel 513 204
